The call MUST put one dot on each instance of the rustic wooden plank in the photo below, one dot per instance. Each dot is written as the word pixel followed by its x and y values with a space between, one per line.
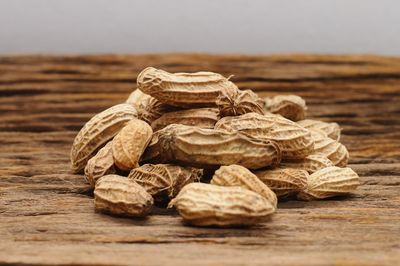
pixel 46 213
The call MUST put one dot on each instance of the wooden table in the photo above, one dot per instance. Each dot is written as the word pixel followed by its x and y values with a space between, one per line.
pixel 46 213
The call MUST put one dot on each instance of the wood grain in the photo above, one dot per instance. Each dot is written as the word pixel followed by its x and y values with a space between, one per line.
pixel 46 213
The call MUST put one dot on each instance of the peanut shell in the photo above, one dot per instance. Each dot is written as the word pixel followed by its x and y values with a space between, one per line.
pixel 99 165
pixel 284 182
pixel 291 107
pixel 98 131
pixel 210 148
pixel 130 143
pixel 237 102
pixel 209 205
pixel 200 117
pixel 330 182
pixel 198 89
pixel 121 196
pixel 164 180
pixel 295 141
pixel 236 175
pixel 331 129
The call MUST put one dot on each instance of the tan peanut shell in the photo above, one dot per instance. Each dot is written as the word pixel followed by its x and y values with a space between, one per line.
pixel 237 102
pixel 198 89
pixel 284 182
pixel 98 131
pixel 295 141
pixel 99 165
pixel 332 149
pixel 331 129
pixel 136 97
pixel 121 196
pixel 130 143
pixel 200 117
pixel 209 205
pixel 236 175
pixel 291 107
pixel 311 163
pixel 330 182
pixel 150 109
pixel 164 180
pixel 210 148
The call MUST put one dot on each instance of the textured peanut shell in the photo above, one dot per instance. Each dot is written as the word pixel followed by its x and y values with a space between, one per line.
pixel 136 97
pixel 121 196
pixel 99 165
pixel 295 141
pixel 332 149
pixel 198 89
pixel 130 143
pixel 98 131
pixel 164 181
pixel 150 109
pixel 210 148
pixel 330 182
pixel 284 182
pixel 291 107
pixel 237 102
pixel 311 163
pixel 236 175
pixel 331 129
pixel 209 205
pixel 200 117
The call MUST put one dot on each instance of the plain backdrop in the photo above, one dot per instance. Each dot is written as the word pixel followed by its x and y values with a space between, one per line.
pixel 218 26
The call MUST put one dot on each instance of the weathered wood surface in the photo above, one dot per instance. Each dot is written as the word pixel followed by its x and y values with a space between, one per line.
pixel 46 213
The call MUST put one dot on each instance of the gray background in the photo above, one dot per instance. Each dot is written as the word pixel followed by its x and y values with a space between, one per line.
pixel 147 26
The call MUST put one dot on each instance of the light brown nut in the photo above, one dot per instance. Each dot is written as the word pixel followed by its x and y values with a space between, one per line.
pixel 330 182
pixel 331 129
pixel 130 143
pixel 164 181
pixel 311 163
pixel 99 165
pixel 295 141
pixel 239 176
pixel 284 182
pixel 237 102
pixel 292 107
pixel 150 109
pixel 200 117
pixel 121 196
pixel 136 97
pixel 332 149
pixel 209 205
pixel 98 131
pixel 198 89
pixel 210 148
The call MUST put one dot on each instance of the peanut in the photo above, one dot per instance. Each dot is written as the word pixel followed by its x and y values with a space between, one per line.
pixel 311 163
pixel 210 148
pixel 98 131
pixel 291 107
pixel 237 102
pixel 183 89
pixel 209 205
pixel 295 141
pixel 332 130
pixel 164 180
pixel 330 182
pixel 121 196
pixel 201 117
pixel 130 143
pixel 99 165
pixel 236 175
pixel 284 182
pixel 332 149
